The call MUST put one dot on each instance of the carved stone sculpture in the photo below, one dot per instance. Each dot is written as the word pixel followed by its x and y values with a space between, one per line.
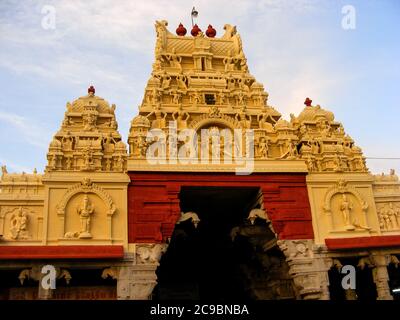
pixel 85 212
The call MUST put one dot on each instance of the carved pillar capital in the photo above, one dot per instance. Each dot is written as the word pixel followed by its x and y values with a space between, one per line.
pixel 307 268
pixel 137 281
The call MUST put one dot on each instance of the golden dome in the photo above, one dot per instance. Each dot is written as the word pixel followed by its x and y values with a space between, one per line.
pixel 282 124
pixel 102 106
pixel 312 113
pixel 140 121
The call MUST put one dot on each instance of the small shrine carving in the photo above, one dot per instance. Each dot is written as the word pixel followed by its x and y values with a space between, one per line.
pixel 346 208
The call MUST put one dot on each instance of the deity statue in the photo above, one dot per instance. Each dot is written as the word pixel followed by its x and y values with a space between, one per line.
pixel 68 163
pixel 222 97
pixel 119 163
pixel 175 96
pixel 108 143
pixel 3 170
pixel 181 118
pixel 195 98
pixel 85 212
pixel 181 81
pixel 87 158
pixel 243 119
pixel 161 30
pixel 385 222
pixel 89 119
pixel 392 216
pixel 174 60
pixel 19 223
pixel 229 62
pixel 310 163
pixel 291 152
pixel 240 99
pixel 108 164
pixel 345 207
pixel 159 122
pixel 166 82
pixel 67 142
pixel 263 148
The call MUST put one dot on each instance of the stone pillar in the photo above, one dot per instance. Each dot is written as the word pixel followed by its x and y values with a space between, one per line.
pixel 137 280
pixel 308 269
pixel 381 275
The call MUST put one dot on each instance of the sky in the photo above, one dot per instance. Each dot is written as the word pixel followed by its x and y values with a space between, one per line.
pixel 52 51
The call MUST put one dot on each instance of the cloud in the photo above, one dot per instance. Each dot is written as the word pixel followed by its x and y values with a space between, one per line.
pixel 31 133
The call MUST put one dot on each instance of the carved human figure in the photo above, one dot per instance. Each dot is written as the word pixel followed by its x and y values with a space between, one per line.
pixel 263 148
pixel 89 120
pixel 174 60
pixel 87 158
pixel 68 163
pixel 222 97
pixel 291 149
pixel 141 146
pixel 229 62
pixel 243 119
pixel 181 118
pixel 241 60
pixel 159 122
pixel 108 143
pixel 67 142
pixel 195 98
pixel 85 212
pixel 392 216
pixel 181 81
pixel 161 30
pixel 3 170
pixel 108 164
pixel 166 82
pixel 18 223
pixel 310 163
pixel 385 219
pixel 119 163
pixel 175 96
pixel 346 207
pixel 240 99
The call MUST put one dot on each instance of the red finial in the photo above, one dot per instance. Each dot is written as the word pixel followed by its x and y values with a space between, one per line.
pixel 308 102
pixel 91 90
pixel 181 30
pixel 195 30
pixel 211 32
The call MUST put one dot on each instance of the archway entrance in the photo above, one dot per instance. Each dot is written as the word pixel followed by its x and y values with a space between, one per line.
pixel 226 257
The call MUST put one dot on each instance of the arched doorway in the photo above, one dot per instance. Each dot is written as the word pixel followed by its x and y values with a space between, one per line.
pixel 226 257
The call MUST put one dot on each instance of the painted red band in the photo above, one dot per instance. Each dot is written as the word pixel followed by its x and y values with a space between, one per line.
pixel 61 252
pixel 363 242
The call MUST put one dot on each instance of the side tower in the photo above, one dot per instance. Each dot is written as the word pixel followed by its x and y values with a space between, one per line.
pixel 73 216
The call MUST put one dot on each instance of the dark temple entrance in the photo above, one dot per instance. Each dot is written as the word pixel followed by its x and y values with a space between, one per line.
pixel 225 257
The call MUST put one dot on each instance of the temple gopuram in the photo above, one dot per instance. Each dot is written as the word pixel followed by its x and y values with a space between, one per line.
pixel 214 195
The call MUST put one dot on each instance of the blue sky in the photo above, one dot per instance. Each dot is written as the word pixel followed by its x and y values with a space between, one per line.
pixel 296 48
